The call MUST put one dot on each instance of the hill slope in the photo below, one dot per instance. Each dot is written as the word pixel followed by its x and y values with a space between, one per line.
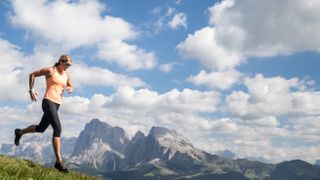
pixel 14 168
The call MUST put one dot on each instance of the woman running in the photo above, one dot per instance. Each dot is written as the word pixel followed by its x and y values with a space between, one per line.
pixel 57 80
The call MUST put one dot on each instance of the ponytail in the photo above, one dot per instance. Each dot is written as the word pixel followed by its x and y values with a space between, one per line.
pixel 56 64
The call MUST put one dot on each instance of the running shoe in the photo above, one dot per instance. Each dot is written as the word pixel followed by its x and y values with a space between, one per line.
pixel 58 165
pixel 18 135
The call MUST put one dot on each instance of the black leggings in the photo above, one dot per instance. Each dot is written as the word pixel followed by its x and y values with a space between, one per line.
pixel 50 116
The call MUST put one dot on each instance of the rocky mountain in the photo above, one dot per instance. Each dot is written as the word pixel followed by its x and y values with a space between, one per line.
pixel 317 163
pixel 134 150
pixel 166 154
pixel 38 147
pixel 295 170
pixel 231 155
pixel 114 136
pixel 104 150
pixel 160 145
pixel 226 154
pixel 99 148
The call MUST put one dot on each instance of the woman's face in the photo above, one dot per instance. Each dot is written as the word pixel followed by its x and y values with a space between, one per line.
pixel 65 64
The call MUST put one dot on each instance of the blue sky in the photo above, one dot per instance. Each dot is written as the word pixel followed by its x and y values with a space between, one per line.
pixel 238 75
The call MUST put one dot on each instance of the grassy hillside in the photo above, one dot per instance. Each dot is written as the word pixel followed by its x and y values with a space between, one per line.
pixel 14 168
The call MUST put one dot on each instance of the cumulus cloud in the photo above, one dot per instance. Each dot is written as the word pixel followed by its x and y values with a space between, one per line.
pixel 203 46
pixel 220 80
pixel 80 24
pixel 269 27
pixel 178 2
pixel 267 121
pixel 166 67
pixel 128 103
pixel 242 29
pixel 15 117
pixel 181 110
pixel 170 19
pixel 144 108
pixel 83 75
pixel 279 95
pixel 128 56
pixel 185 101
pixel 179 19
pixel 307 127
pixel 12 73
pixel 259 138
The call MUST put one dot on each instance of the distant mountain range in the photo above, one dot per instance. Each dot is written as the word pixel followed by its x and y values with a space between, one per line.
pixel 38 148
pixel 107 151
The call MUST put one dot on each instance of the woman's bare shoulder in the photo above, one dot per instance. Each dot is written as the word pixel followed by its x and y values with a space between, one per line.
pixel 47 71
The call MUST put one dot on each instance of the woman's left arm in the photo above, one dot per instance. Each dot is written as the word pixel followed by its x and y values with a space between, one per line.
pixel 69 87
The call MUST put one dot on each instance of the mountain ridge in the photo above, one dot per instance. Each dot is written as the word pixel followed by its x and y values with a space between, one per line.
pixel 104 150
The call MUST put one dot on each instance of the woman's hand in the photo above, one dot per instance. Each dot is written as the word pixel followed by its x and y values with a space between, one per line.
pixel 69 89
pixel 33 95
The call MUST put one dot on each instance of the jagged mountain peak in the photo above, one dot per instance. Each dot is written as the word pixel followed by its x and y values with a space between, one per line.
pixel 95 124
pixel 169 138
pixel 115 137
pixel 158 131
pixel 161 144
pixel 226 154
pixel 139 135
pixel 100 129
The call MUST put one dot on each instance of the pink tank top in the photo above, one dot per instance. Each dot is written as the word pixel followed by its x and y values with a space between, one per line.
pixel 55 86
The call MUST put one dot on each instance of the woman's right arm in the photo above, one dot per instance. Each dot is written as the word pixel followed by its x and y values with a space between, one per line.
pixel 41 72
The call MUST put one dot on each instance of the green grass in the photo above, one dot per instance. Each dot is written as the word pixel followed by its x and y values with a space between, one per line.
pixel 15 168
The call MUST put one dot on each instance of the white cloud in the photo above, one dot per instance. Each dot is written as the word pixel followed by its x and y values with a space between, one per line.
pixel 178 2
pixel 202 45
pixel 143 108
pixel 267 27
pixel 181 110
pixel 220 80
pixel 12 73
pixel 242 29
pixel 258 138
pixel 156 10
pixel 274 96
pixel 170 12
pixel 128 56
pixel 269 89
pixel 83 75
pixel 79 24
pixel 174 100
pixel 143 102
pixel 16 117
pixel 268 121
pixel 170 19
pixel 179 19
pixel 307 127
pixel 166 67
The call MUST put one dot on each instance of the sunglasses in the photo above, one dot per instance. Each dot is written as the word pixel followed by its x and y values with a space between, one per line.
pixel 66 63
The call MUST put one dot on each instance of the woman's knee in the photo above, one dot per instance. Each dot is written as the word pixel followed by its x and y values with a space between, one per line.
pixel 40 129
pixel 57 132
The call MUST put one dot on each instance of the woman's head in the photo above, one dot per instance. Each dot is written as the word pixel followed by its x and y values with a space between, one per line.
pixel 64 59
